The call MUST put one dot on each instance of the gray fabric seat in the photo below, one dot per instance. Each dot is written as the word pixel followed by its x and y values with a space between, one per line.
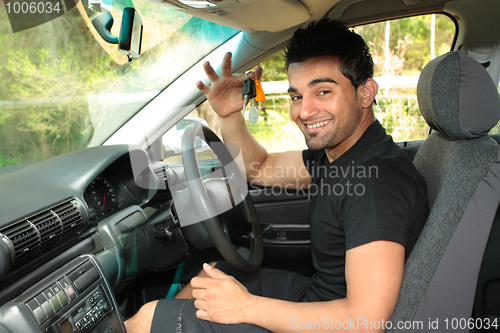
pixel 461 165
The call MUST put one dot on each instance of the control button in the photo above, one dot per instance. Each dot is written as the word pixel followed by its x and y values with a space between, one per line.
pixel 68 288
pixel 48 293
pixel 49 311
pixel 40 315
pixel 106 307
pixel 62 298
pixel 54 301
pixel 64 283
pixel 86 279
pixel 55 304
pixel 55 288
pixel 45 305
pixel 59 294
pixel 32 304
pixel 71 293
pixel 37 311
pixel 41 299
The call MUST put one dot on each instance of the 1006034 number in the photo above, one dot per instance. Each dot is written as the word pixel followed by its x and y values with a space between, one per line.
pixel 32 7
pixel 471 323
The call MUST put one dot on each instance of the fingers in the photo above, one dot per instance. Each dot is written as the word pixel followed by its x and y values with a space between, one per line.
pixel 203 315
pixel 202 312
pixel 199 282
pixel 213 272
pixel 258 72
pixel 240 76
pixel 199 294
pixel 209 70
pixel 207 268
pixel 226 65
pixel 201 86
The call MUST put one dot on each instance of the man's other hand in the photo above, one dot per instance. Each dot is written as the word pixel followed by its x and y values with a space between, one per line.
pixel 220 297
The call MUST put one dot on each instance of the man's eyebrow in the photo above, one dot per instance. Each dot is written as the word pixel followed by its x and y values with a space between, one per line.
pixel 321 80
pixel 313 83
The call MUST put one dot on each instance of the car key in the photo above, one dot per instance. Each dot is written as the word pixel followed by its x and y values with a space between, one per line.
pixel 248 91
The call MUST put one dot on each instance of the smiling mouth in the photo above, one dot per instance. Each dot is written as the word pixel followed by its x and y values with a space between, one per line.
pixel 318 125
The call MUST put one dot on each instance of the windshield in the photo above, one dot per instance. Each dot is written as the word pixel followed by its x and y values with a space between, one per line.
pixel 64 88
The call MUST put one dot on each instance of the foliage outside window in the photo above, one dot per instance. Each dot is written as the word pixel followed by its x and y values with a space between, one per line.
pixel 64 88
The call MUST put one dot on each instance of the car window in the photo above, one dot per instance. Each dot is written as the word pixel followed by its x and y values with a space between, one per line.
pixel 400 50
pixel 63 88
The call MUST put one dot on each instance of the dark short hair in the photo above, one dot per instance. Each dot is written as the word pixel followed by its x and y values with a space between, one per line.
pixel 328 37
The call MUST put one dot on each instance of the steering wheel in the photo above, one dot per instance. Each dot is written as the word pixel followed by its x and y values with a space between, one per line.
pixel 224 208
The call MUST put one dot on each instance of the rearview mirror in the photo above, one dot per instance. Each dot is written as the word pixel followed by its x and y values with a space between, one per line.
pixel 129 42
pixel 130 33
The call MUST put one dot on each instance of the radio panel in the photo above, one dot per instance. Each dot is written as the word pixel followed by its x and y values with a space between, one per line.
pixel 74 299
pixel 88 314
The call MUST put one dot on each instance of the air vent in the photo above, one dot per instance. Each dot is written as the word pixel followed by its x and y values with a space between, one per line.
pixel 23 240
pixel 34 235
pixel 165 176
pixel 50 227
pixel 71 217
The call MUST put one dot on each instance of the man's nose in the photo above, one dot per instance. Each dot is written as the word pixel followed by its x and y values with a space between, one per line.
pixel 309 108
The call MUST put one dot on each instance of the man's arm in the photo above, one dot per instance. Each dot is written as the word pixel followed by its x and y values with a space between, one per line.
pixel 373 275
pixel 224 94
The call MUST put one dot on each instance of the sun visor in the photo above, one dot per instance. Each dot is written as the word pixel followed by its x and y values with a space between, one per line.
pixel 258 15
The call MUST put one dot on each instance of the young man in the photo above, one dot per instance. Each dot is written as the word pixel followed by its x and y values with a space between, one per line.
pixel 367 211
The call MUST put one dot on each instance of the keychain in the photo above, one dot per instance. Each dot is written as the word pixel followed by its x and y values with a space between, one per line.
pixel 248 91
pixel 252 88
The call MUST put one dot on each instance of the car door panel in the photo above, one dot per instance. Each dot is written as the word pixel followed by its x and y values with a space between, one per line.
pixel 284 219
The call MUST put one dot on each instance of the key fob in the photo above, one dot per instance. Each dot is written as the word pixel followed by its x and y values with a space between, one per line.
pixel 249 89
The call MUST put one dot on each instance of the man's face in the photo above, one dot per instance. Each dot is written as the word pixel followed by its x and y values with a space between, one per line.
pixel 325 104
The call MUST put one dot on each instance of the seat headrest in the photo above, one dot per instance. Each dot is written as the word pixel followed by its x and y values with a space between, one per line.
pixel 457 97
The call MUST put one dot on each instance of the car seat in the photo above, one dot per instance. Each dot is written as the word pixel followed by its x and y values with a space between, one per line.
pixel 461 165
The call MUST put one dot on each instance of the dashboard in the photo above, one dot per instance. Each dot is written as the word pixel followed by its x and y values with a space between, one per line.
pixel 77 213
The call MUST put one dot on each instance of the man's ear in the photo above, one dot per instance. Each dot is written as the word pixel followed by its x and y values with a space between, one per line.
pixel 368 92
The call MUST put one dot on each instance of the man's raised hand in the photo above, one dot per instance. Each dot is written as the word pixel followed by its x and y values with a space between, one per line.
pixel 224 93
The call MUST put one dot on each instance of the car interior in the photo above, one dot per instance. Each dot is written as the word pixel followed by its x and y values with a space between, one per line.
pixel 91 235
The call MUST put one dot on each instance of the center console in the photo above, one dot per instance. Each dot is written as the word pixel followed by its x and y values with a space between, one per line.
pixel 74 299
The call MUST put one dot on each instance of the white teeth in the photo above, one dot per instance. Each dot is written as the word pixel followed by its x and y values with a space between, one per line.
pixel 318 124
